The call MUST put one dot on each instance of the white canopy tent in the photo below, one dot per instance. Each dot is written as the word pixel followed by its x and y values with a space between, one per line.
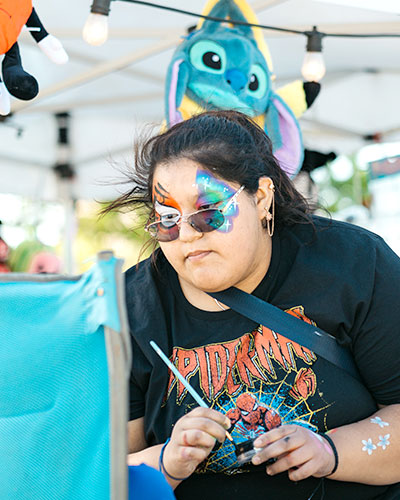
pixel 113 90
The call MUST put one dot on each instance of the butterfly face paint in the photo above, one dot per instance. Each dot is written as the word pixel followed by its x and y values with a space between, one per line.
pixel 214 191
pixel 163 203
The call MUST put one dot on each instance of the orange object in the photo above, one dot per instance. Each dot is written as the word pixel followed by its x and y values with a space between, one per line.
pixel 13 16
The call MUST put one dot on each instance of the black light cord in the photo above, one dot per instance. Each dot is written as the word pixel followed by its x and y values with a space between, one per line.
pixel 263 26
pixel 216 19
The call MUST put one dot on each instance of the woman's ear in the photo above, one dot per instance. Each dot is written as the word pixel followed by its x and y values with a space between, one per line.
pixel 264 196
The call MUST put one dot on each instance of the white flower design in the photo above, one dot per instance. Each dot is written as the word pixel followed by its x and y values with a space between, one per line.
pixel 379 421
pixel 384 441
pixel 368 446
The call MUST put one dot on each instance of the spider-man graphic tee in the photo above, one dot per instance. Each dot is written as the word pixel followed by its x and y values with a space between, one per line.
pixel 338 276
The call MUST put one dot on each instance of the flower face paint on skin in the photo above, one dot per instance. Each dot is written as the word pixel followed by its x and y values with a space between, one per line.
pixel 369 446
pixel 384 441
pixel 213 191
pixel 379 421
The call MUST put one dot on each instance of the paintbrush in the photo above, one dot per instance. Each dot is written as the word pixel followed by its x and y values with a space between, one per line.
pixel 190 389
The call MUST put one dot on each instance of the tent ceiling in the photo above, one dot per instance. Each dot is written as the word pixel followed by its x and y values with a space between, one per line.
pixel 112 90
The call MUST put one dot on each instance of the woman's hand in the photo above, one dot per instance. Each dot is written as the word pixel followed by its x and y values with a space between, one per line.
pixel 192 440
pixel 298 450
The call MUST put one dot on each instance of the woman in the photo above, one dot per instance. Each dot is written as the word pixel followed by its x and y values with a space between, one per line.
pixel 225 215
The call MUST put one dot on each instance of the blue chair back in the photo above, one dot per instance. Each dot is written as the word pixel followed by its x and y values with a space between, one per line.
pixel 64 365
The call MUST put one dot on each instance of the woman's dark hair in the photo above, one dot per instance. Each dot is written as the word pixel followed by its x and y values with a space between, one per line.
pixel 228 144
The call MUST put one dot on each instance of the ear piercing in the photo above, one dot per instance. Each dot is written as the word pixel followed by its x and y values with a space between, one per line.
pixel 270 217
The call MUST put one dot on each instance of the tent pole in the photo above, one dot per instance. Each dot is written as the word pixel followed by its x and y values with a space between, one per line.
pixel 70 235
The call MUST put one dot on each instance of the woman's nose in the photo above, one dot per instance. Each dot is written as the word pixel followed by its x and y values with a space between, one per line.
pixel 187 232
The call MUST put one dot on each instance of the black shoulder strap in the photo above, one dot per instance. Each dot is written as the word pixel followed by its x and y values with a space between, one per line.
pixel 289 326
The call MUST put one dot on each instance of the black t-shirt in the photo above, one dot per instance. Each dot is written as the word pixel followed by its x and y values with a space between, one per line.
pixel 339 276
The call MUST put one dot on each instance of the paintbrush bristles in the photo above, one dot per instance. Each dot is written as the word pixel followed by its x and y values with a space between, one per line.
pixel 227 434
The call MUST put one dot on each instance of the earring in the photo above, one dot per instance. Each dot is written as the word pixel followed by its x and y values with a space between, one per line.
pixel 270 217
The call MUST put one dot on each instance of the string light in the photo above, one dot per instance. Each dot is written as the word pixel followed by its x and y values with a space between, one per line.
pixel 313 68
pixel 95 32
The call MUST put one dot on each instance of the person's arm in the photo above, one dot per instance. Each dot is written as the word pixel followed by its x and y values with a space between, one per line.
pixel 192 440
pixel 368 451
pixel 139 452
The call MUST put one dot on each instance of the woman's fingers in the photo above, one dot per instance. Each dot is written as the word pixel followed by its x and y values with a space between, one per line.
pixel 197 437
pixel 281 445
pixel 206 426
pixel 193 453
pixel 291 461
pixel 275 434
pixel 297 450
pixel 210 414
pixel 302 471
pixel 192 440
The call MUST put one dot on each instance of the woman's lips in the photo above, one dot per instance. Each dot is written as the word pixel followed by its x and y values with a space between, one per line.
pixel 198 255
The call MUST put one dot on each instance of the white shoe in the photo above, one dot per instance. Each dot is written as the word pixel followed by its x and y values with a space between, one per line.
pixel 5 106
pixel 53 49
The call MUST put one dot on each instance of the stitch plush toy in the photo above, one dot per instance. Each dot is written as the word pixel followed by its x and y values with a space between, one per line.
pixel 225 66
pixel 14 14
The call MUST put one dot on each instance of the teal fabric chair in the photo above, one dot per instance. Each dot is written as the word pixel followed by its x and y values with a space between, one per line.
pixel 64 367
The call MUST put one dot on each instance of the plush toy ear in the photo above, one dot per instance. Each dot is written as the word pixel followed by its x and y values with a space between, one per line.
pixel 176 84
pixel 213 8
pixel 238 10
pixel 283 129
pixel 227 9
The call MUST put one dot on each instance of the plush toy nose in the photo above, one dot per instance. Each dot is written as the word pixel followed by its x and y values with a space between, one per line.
pixel 236 79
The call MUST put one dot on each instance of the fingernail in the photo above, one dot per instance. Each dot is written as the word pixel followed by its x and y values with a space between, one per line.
pixel 268 470
pixel 260 443
pixel 256 460
pixel 227 423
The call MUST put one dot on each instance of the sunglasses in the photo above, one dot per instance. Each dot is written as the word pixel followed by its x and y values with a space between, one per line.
pixel 203 221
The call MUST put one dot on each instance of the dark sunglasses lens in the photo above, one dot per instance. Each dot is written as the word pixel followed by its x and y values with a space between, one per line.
pixel 207 220
pixel 165 233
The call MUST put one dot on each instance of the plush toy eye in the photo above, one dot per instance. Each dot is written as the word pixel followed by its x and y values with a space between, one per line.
pixel 254 83
pixel 212 60
pixel 258 81
pixel 208 56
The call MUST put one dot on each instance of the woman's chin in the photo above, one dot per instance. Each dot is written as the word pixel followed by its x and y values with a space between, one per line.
pixel 211 285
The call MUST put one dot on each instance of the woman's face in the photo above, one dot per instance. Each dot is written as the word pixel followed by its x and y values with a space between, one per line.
pixel 237 253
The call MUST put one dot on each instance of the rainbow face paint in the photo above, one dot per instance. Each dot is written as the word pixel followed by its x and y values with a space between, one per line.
pixel 213 191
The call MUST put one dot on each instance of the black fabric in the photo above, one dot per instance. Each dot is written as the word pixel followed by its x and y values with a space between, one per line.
pixel 19 83
pixel 311 90
pixel 343 278
pixel 34 22
pixel 299 331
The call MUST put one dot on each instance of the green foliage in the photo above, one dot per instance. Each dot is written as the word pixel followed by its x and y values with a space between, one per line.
pixel 20 258
pixel 337 194
pixel 121 232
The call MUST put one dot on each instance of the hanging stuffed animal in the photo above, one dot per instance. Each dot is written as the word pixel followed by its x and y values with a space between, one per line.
pixel 14 14
pixel 225 66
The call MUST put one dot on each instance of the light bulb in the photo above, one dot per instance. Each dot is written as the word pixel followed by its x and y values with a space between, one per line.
pixel 313 68
pixel 95 31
